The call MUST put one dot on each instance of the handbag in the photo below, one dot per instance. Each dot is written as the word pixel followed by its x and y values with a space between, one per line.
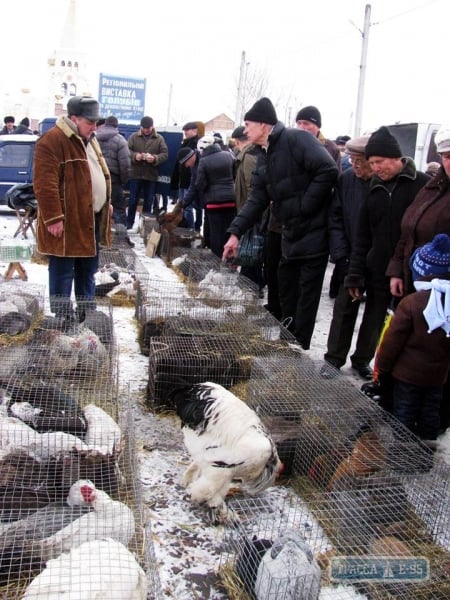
pixel 251 248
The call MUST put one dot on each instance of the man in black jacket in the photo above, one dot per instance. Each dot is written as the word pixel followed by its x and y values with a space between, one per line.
pixel 394 184
pixel 181 178
pixel 117 155
pixel 349 194
pixel 297 174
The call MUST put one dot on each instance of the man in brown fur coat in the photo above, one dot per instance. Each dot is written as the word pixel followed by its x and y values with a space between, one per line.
pixel 73 189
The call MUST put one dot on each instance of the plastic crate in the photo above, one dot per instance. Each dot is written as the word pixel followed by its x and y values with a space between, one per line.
pixel 16 250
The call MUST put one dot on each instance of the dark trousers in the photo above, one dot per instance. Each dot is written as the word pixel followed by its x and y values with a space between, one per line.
pixel 300 286
pixel 219 219
pixel 65 271
pixel 375 309
pixel 188 213
pixel 418 408
pixel 340 335
pixel 272 257
pixel 138 188
pixel 119 204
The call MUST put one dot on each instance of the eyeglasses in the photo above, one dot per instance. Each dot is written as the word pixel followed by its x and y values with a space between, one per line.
pixel 357 161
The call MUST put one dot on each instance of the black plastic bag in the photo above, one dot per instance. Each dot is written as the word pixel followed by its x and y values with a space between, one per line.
pixel 251 248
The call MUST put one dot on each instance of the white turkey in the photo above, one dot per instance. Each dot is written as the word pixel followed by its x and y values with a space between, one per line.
pixel 102 431
pixel 288 570
pixel 99 569
pixel 228 446
pixel 109 518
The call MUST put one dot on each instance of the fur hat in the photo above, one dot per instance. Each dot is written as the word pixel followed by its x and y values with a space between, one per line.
pixel 383 143
pixel 84 106
pixel 432 259
pixel 238 133
pixel 356 145
pixel 184 154
pixel 442 139
pixel 263 111
pixel 9 119
pixel 190 125
pixel 146 122
pixel 310 113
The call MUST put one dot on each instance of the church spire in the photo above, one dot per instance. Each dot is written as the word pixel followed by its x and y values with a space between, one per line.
pixel 68 65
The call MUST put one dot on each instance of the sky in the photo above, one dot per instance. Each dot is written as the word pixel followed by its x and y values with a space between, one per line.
pixel 300 53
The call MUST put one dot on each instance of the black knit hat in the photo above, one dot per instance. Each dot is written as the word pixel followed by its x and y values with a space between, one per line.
pixel 263 111
pixel 383 143
pixel 310 113
pixel 184 154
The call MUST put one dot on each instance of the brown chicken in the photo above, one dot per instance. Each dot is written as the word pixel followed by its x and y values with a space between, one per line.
pixel 169 220
pixel 368 456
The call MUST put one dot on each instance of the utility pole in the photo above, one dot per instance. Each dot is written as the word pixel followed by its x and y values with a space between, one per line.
pixel 362 71
pixel 169 105
pixel 240 90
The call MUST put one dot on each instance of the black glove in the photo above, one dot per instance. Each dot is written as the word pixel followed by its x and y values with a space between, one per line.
pixel 341 269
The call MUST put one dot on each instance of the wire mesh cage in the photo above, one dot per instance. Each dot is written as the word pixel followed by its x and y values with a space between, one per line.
pixel 120 276
pixel 226 360
pixel 14 250
pixel 70 503
pixel 80 357
pixel 21 308
pixel 194 263
pixel 284 546
pixel 208 308
pixel 179 237
pixel 175 359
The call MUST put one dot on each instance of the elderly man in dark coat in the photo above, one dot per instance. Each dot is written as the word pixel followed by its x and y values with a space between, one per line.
pixel 297 174
pixel 394 185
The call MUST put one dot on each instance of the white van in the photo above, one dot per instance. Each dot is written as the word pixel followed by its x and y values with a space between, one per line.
pixel 417 141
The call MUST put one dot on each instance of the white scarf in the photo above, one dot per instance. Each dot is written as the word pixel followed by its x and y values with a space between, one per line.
pixel 437 311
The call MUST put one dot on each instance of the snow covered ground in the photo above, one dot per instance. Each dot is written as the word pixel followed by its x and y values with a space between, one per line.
pixel 187 551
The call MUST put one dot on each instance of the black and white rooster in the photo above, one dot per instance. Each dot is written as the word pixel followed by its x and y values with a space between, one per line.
pixel 228 445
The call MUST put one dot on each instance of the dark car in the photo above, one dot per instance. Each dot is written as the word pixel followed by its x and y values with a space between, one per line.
pixel 16 161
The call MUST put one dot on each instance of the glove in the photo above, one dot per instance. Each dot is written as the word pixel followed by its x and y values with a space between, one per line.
pixel 341 269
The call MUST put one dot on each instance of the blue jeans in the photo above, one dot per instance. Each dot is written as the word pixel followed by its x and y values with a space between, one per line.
pixel 65 271
pixel 140 187
pixel 418 408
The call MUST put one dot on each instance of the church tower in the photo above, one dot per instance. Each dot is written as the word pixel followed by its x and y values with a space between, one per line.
pixel 68 65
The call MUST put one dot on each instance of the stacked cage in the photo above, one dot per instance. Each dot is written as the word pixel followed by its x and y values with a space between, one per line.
pixel 194 263
pixel 204 337
pixel 370 486
pixel 208 304
pixel 179 237
pixel 71 513
pixel 120 277
pixel 76 353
